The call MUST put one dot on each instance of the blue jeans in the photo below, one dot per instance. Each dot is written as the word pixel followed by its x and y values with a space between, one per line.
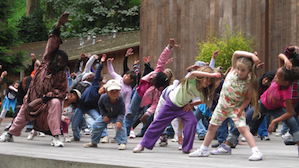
pixel 99 126
pixel 133 110
pixel 78 119
pixel 202 126
pixel 263 129
pixel 222 131
pixel 290 122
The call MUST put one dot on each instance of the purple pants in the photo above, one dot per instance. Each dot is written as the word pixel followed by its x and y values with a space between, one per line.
pixel 168 112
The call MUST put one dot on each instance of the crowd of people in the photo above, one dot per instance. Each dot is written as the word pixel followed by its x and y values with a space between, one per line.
pixel 202 103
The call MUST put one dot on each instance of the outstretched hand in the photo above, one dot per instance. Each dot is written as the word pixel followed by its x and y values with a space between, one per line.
pixel 172 43
pixel 215 54
pixel 3 74
pixel 129 52
pixel 147 59
pixel 169 61
pixel 110 59
pixel 143 119
pixel 103 58
pixel 63 19
pixel 136 62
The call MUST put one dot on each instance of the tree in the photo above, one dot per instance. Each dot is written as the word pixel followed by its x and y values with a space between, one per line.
pixel 11 62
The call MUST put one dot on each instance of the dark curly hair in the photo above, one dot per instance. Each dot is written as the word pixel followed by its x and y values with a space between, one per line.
pixel 161 80
pixel 290 75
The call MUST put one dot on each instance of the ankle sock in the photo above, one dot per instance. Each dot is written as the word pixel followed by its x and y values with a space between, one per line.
pixel 204 148
pixel 255 149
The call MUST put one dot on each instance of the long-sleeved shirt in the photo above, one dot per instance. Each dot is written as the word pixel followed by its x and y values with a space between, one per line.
pixel 126 90
pixel 115 110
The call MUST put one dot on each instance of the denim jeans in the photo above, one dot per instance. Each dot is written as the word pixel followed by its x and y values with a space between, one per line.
pixel 133 110
pixel 202 126
pixel 222 131
pixel 290 122
pixel 99 126
pixel 263 129
pixel 78 118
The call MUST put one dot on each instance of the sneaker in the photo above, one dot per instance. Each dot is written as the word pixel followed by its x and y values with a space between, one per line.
pixel 243 139
pixel 67 138
pixel 286 136
pixel 114 140
pixel 289 142
pixel 105 139
pixel 90 145
pixel 6 137
pixel 86 131
pixel 7 127
pixel 132 134
pixel 180 147
pixel 31 135
pixel 56 141
pixel 110 126
pixel 199 153
pixel 138 149
pixel 256 156
pixel 75 139
pixel 174 140
pixel 216 145
pixel 223 149
pixel 266 138
pixel 122 146
pixel 28 130
pixel 279 134
pixel 139 135
pixel 163 142
pixel 201 137
pixel 41 134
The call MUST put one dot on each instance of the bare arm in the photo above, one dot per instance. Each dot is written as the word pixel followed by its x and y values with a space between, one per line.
pixel 284 61
pixel 204 74
pixel 238 54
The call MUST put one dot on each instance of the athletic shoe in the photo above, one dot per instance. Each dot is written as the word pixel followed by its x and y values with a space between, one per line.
pixel 56 141
pixel 31 135
pixel 216 145
pixel 201 137
pixel 163 142
pixel 199 153
pixel 67 138
pixel 105 139
pixel 138 149
pixel 139 135
pixel 132 134
pixel 279 134
pixel 180 146
pixel 243 139
pixel 256 156
pixel 223 149
pixel 75 139
pixel 114 140
pixel 174 140
pixel 122 146
pixel 41 134
pixel 86 131
pixel 266 138
pixel 287 136
pixel 6 137
pixel 90 145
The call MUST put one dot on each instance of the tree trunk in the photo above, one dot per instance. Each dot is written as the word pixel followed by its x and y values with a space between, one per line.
pixel 49 14
pixel 31 5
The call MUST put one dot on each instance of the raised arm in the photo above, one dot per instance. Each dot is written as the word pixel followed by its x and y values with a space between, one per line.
pixel 238 54
pixel 111 69
pixel 165 55
pixel 213 59
pixel 194 74
pixel 89 63
pixel 284 61
pixel 99 70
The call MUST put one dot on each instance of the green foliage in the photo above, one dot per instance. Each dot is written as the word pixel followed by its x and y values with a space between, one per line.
pixel 94 16
pixel 231 41
pixel 11 62
pixel 32 28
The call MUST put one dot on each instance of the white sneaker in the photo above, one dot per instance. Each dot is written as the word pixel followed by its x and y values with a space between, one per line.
pixel 67 138
pixel 86 131
pixel 287 136
pixel 279 134
pixel 180 147
pixel 174 140
pixel 105 139
pixel 132 134
pixel 5 137
pixel 243 139
pixel 32 134
pixel 199 153
pixel 56 142
pixel 41 134
pixel 122 147
pixel 256 156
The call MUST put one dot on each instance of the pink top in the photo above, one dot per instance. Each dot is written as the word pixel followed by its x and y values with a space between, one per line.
pixel 144 81
pixel 151 97
pixel 274 98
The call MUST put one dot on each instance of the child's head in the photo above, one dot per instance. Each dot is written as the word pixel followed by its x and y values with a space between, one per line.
pixel 75 96
pixel 266 79
pixel 161 80
pixel 16 84
pixel 286 77
pixel 130 78
pixel 244 67
pixel 88 76
pixel 113 88
pixel 170 75
pixel 294 59
pixel 218 80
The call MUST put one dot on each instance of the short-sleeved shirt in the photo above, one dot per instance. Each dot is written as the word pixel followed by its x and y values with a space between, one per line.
pixel 274 98
pixel 185 92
